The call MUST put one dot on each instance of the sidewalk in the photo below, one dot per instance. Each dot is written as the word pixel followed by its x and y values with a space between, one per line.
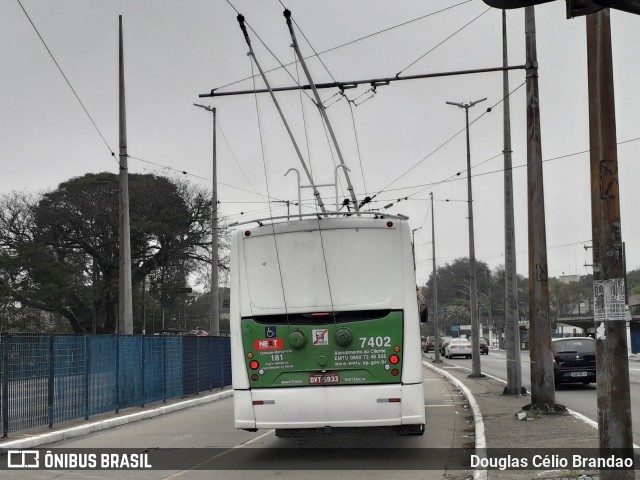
pixel 502 428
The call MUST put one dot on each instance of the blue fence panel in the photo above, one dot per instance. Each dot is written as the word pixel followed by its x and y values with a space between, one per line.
pixel 69 373
pixel 190 377
pixel 216 362
pixel 46 380
pixel 27 381
pixel 102 376
pixel 4 400
pixel 173 366
pixel 130 372
pixel 225 369
pixel 153 368
pixel 205 364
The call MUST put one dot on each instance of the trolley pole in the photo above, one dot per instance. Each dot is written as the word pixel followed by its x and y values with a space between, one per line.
pixel 475 327
pixel 614 403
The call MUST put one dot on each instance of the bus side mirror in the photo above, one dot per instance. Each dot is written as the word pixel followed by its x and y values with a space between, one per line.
pixel 424 314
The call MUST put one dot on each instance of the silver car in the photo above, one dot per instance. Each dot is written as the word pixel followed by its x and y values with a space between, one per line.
pixel 458 347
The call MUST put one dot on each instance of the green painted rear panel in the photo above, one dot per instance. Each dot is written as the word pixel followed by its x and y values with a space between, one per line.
pixel 349 353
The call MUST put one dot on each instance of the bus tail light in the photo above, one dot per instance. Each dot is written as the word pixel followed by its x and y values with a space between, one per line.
pixel 394 359
pixel 254 365
pixel 395 372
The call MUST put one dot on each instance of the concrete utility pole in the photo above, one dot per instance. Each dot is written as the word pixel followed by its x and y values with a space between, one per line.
pixel 512 330
pixel 435 284
pixel 214 320
pixel 475 328
pixel 614 404
pixel 542 381
pixel 125 303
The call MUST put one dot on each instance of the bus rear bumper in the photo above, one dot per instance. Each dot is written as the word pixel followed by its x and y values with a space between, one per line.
pixel 320 407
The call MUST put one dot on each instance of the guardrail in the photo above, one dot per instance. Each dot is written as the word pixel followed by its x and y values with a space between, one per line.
pixel 52 379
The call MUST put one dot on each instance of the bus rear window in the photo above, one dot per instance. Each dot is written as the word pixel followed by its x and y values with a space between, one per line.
pixel 320 318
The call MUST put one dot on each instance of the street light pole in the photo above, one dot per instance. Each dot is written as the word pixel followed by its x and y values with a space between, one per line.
pixel 475 330
pixel 214 326
pixel 435 285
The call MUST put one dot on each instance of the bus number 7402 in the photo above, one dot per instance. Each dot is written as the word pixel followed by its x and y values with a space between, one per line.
pixel 375 342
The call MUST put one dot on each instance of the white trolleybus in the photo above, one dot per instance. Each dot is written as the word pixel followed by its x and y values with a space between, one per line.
pixel 325 325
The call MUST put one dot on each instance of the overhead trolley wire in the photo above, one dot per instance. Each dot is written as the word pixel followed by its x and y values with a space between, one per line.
pixel 441 43
pixel 68 82
pixel 352 41
pixel 445 142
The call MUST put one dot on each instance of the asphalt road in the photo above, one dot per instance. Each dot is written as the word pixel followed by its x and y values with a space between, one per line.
pixel 210 427
pixel 579 398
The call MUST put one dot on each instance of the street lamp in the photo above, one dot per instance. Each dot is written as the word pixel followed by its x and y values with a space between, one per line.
pixel 413 245
pixel 475 334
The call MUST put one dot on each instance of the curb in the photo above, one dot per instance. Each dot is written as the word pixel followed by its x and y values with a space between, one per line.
pixel 481 441
pixel 88 428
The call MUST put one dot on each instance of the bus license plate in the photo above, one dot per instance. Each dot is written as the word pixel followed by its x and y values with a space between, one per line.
pixel 327 378
pixel 578 374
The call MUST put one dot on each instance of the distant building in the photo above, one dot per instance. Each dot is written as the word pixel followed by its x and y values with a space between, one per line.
pixel 569 278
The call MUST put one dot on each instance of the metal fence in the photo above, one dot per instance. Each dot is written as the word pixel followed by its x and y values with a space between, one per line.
pixel 52 379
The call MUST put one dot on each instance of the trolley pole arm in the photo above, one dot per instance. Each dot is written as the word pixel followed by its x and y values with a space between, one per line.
pixel 287 15
pixel 316 193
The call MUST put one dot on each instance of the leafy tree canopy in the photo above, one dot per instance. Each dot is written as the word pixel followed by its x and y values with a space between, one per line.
pixel 59 252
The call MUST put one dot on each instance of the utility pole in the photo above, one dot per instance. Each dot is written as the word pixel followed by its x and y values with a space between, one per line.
pixel 435 285
pixel 125 302
pixel 542 381
pixel 475 329
pixel 514 367
pixel 214 320
pixel 614 403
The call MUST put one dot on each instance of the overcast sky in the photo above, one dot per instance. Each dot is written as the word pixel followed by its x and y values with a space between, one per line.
pixel 176 50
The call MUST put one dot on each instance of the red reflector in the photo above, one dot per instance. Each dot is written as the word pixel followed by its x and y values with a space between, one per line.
pixel 247 233
pixel 394 400
pixel 389 224
pixel 254 365
pixel 395 372
pixel 394 359
pixel 322 314
pixel 255 377
pixel 258 402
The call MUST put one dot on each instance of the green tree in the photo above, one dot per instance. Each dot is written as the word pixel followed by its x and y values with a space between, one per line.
pixel 59 252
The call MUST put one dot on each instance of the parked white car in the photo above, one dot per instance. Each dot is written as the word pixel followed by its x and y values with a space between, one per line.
pixel 460 347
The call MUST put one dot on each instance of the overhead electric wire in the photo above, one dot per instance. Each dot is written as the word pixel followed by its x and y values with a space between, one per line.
pixel 68 82
pixel 253 76
pixel 445 142
pixel 352 41
pixel 236 158
pixel 442 42
pixel 355 134
pixel 183 172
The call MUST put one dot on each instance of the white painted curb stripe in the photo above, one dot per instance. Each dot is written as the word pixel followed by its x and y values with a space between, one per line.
pixel 85 429
pixel 481 441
